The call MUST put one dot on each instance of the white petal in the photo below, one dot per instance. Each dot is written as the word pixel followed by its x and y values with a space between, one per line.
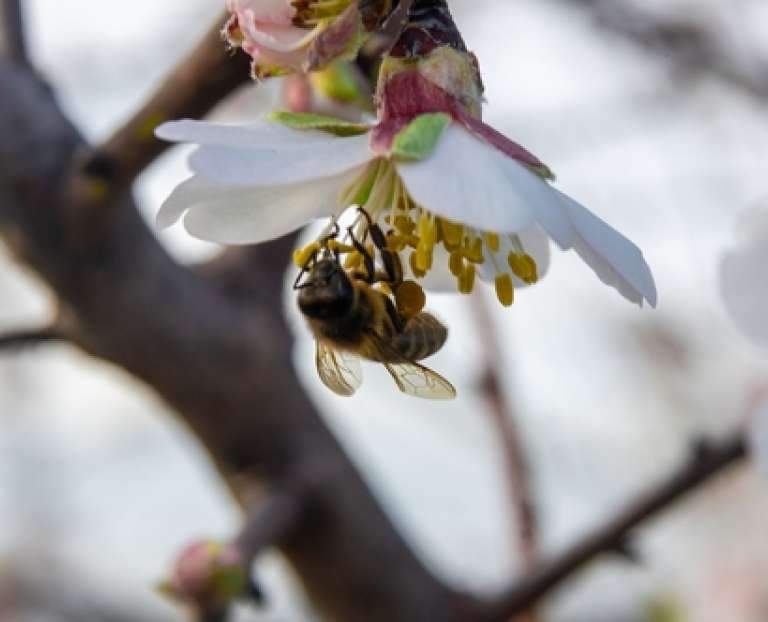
pixel 470 182
pixel 744 289
pixel 259 134
pixel 265 153
pixel 276 166
pixel 195 190
pixel 536 244
pixel 256 214
pixel 616 260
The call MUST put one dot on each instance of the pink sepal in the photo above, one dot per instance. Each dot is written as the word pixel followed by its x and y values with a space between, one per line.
pixel 409 94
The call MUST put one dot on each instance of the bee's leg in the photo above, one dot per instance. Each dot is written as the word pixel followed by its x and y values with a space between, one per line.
pixel 393 268
pixel 304 270
pixel 369 276
pixel 397 320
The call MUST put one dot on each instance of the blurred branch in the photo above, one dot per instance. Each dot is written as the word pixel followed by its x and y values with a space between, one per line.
pixel 693 47
pixel 218 351
pixel 11 342
pixel 502 413
pixel 12 32
pixel 707 460
pixel 200 81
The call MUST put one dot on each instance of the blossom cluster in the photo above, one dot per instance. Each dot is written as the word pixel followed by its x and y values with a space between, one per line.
pixel 457 199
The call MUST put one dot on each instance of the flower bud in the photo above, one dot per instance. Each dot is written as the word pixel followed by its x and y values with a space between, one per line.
pixel 208 575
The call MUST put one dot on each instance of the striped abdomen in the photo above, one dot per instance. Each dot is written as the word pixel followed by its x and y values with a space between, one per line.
pixel 423 336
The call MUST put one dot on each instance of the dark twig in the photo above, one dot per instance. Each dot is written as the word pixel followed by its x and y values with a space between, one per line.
pixel 502 414
pixel 13 31
pixel 692 46
pixel 224 362
pixel 702 466
pixel 199 82
pixel 15 341
pixel 270 520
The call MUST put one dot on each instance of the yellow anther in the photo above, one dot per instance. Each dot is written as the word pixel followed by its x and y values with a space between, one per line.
pixel 524 267
pixel 474 250
pixel 417 271
pixel 423 258
pixel 505 290
pixel 395 242
pixel 452 234
pixel 492 240
pixel 456 264
pixel 301 255
pixel 404 225
pixel 427 230
pixel 342 248
pixel 353 261
pixel 467 280
pixel 410 298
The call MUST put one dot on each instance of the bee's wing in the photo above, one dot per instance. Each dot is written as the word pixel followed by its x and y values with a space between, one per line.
pixel 419 381
pixel 340 372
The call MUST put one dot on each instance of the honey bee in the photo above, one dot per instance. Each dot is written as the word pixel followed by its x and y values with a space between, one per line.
pixel 352 319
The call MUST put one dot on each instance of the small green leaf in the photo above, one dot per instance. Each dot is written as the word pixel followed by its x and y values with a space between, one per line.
pixel 309 121
pixel 419 138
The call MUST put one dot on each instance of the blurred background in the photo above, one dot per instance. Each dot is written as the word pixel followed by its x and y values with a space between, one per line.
pixel 665 138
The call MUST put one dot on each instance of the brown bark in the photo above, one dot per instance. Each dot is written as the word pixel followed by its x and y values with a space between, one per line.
pixel 212 342
pixel 216 352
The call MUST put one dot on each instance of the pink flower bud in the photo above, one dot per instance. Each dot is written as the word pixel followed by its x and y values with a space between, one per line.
pixel 285 36
pixel 207 574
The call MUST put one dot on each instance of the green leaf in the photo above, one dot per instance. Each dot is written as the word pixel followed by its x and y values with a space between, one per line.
pixel 309 121
pixel 419 138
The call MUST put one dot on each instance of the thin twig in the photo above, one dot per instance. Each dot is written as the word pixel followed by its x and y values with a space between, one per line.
pixel 689 44
pixel 197 84
pixel 502 414
pixel 13 31
pixel 12 342
pixel 707 461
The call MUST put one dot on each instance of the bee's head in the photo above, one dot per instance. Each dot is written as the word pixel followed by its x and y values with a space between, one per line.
pixel 328 291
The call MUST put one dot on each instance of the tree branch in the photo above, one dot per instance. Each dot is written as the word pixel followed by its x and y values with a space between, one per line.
pixel 523 510
pixel 708 460
pixel 691 46
pixel 220 354
pixel 12 31
pixel 199 82
pixel 11 342
pixel 222 361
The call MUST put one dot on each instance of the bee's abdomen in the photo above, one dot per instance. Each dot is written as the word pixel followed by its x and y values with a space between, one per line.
pixel 423 336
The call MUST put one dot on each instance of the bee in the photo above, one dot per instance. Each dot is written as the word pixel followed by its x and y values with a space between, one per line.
pixel 352 319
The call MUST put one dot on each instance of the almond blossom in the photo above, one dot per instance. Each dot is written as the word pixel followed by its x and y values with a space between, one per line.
pixel 285 36
pixel 447 187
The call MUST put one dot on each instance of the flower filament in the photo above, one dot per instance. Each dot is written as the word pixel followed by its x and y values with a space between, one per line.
pixel 415 232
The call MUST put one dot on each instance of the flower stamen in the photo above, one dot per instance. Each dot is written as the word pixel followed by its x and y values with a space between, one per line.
pixel 311 13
